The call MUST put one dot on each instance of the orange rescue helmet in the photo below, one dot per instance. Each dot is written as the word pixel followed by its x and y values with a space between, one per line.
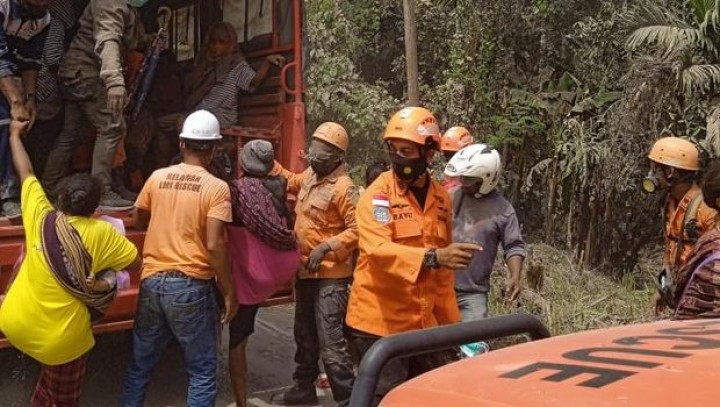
pixel 456 138
pixel 332 133
pixel 675 152
pixel 415 124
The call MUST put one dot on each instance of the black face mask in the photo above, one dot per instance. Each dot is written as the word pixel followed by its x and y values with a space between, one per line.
pixel 408 169
pixel 33 11
pixel 324 166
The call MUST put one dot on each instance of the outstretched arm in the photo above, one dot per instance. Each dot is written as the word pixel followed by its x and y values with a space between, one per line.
pixel 21 161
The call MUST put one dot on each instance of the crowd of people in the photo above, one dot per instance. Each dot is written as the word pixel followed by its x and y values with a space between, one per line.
pixel 411 249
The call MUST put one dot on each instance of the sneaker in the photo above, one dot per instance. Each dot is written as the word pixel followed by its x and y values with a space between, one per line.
pixel 11 209
pixel 297 396
pixel 111 201
pixel 126 193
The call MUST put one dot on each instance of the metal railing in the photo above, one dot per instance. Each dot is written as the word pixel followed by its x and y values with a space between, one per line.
pixel 435 339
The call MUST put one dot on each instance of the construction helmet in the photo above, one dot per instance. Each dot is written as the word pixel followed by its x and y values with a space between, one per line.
pixel 332 133
pixel 479 162
pixel 675 152
pixel 415 124
pixel 455 139
pixel 201 126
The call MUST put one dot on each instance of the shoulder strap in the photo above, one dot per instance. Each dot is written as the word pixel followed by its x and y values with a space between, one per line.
pixel 690 218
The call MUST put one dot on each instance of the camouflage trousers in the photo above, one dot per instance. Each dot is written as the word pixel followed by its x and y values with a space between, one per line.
pixel 320 307
pixel 85 101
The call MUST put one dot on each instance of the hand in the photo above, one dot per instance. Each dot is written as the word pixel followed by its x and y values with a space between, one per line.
pixel 18 128
pixel 457 255
pixel 277 60
pixel 513 289
pixel 116 101
pixel 19 112
pixel 98 285
pixel 316 257
pixel 31 107
pixel 231 308
pixel 658 304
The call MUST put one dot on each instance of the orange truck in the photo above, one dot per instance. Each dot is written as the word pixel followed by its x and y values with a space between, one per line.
pixel 665 363
pixel 274 112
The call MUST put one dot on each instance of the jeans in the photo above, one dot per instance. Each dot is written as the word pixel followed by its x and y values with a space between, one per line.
pixel 9 183
pixel 172 305
pixel 473 306
pixel 320 307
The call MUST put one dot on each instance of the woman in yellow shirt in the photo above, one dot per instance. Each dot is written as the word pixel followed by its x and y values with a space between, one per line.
pixel 48 310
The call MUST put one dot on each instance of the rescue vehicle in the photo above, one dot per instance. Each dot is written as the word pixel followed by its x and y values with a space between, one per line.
pixel 663 363
pixel 274 112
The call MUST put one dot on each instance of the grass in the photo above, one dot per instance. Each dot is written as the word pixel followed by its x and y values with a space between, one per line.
pixel 570 299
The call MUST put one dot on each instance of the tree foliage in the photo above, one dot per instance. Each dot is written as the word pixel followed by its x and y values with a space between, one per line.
pixel 571 92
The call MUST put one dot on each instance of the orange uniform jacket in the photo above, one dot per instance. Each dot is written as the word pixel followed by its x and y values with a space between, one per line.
pixel 325 212
pixel 675 213
pixel 391 291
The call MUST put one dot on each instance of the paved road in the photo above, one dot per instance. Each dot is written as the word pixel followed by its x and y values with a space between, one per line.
pixel 271 351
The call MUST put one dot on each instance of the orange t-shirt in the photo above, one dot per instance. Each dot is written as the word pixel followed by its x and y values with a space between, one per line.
pixel 180 198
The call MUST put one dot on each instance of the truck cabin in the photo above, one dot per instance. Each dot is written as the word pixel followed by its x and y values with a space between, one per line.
pixel 273 112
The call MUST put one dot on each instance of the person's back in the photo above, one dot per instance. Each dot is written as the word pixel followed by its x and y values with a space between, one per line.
pixel 184 252
pixel 181 198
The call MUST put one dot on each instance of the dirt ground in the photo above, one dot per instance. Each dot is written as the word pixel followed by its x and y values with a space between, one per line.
pixel 270 352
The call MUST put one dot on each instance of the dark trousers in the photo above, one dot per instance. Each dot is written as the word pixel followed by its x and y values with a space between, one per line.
pixel 9 183
pixel 320 306
pixel 399 370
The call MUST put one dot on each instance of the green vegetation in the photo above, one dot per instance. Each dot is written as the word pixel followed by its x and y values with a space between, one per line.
pixel 572 92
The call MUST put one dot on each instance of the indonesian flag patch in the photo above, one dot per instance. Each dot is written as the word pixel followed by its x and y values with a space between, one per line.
pixel 381 208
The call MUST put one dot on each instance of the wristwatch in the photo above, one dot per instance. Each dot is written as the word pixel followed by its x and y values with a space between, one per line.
pixel 430 260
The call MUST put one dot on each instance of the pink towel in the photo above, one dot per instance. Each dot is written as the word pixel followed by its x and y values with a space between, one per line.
pixel 258 270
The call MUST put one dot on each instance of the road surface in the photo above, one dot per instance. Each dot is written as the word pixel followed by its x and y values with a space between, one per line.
pixel 270 353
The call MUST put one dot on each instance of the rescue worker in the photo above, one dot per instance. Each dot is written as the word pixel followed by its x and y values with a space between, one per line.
pixel 455 139
pixel 698 284
pixel 93 86
pixel 327 233
pixel 23 29
pixel 404 277
pixel 185 251
pixel 674 166
pixel 483 216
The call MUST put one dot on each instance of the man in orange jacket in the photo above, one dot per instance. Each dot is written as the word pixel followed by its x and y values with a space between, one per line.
pixel 674 168
pixel 327 234
pixel 404 277
pixel 454 140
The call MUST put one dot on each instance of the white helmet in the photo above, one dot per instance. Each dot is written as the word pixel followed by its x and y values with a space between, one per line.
pixel 201 126
pixel 476 161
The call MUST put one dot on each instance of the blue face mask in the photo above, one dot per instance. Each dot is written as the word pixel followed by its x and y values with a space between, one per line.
pixel 137 3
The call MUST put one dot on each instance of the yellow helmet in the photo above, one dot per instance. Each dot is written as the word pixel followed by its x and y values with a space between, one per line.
pixel 675 152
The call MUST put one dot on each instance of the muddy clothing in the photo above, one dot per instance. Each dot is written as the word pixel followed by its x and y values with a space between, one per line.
pixel 675 233
pixel 698 288
pixel 398 370
pixel 325 212
pixel 488 221
pixel 85 99
pixel 108 29
pixel 320 306
pixel 21 47
pixel 91 66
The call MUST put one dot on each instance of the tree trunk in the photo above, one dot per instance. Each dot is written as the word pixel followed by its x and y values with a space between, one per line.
pixel 411 52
